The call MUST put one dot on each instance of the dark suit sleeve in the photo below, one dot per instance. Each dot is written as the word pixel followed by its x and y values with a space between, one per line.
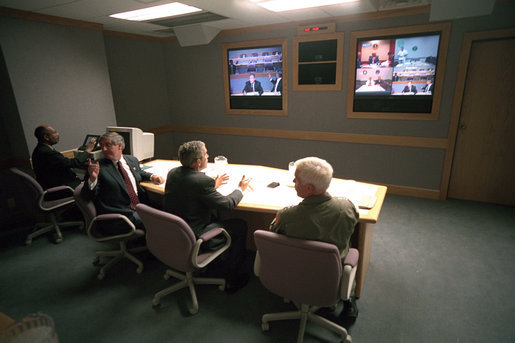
pixel 259 89
pixel 139 174
pixel 215 200
pixel 55 159
pixel 247 87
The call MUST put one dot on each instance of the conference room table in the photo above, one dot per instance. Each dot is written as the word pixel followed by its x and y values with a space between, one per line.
pixel 260 204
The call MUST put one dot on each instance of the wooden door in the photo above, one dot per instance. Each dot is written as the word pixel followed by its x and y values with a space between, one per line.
pixel 483 167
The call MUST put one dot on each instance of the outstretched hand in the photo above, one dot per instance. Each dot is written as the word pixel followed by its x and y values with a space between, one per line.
pixel 91 144
pixel 221 180
pixel 244 183
pixel 156 179
pixel 93 170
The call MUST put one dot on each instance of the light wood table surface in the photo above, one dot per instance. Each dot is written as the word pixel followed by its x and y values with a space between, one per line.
pixel 260 205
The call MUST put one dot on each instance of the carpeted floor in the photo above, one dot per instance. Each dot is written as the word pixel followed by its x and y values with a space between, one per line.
pixel 440 271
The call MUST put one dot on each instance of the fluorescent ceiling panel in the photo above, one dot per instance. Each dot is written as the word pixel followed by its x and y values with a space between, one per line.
pixel 288 5
pixel 161 11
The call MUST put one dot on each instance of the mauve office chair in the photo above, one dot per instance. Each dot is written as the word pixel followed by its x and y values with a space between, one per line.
pixel 309 273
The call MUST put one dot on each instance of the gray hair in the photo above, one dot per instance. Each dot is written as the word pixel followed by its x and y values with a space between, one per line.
pixel 315 171
pixel 189 152
pixel 115 138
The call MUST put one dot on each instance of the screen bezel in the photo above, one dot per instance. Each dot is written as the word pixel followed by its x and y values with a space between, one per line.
pixel 443 29
pixel 226 47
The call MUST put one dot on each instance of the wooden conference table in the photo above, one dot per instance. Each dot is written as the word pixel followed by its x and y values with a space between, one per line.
pixel 259 206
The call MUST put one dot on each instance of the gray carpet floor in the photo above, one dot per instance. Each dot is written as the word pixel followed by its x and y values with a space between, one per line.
pixel 440 271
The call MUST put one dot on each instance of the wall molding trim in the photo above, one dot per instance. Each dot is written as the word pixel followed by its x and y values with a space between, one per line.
pixel 412 191
pixel 417 142
pixel 50 19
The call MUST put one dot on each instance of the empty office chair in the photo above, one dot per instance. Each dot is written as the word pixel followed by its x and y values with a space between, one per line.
pixel 309 273
pixel 94 231
pixel 33 196
pixel 173 242
pixel 251 67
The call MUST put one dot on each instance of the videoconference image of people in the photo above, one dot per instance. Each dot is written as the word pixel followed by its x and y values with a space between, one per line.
pixel 398 66
pixel 256 71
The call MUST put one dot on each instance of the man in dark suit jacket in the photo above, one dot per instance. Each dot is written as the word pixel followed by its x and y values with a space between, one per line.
pixel 192 195
pixel 105 183
pixel 277 83
pixel 50 166
pixel 428 88
pixel 252 85
pixel 409 88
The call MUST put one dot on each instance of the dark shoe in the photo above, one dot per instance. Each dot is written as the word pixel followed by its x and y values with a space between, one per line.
pixel 234 284
pixel 350 309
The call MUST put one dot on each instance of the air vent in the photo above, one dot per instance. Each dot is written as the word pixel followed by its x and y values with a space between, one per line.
pixel 165 32
pixel 188 19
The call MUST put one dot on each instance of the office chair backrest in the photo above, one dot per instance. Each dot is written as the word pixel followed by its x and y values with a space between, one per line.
pixel 30 189
pixel 303 271
pixel 86 207
pixel 169 237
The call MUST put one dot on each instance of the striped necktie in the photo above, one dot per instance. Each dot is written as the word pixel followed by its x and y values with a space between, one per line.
pixel 132 194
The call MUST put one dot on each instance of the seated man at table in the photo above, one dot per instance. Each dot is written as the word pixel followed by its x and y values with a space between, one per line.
pixel 192 195
pixel 52 168
pixel 410 88
pixel 113 182
pixel 319 216
pixel 252 85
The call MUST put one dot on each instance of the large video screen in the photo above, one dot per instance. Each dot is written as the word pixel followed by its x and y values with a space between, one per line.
pixel 396 73
pixel 255 77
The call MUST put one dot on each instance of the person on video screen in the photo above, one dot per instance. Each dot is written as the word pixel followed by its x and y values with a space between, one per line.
pixel 277 82
pixel 409 88
pixel 253 85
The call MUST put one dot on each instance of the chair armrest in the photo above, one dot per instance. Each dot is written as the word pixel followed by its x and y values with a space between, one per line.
pixel 111 217
pixel 352 257
pixel 59 188
pixel 212 255
pixel 349 273
pixel 206 236
pixel 257 264
pixel 53 204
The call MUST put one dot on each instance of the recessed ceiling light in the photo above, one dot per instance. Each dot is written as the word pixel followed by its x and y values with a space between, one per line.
pixel 161 11
pixel 288 5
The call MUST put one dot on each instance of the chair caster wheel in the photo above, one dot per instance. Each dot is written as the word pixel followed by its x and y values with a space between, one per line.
pixel 221 287
pixel 265 327
pixel 139 270
pixel 155 302
pixel 166 276
pixel 28 241
pixel 193 310
pixel 101 276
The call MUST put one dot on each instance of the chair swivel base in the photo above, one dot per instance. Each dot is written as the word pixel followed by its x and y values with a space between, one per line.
pixel 41 229
pixel 186 280
pixel 304 314
pixel 117 256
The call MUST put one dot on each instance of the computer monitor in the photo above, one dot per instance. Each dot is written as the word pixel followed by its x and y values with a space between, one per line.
pixel 137 143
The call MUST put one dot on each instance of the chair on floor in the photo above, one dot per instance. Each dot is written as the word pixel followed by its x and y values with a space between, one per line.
pixel 173 242
pixel 94 231
pixel 33 196
pixel 309 273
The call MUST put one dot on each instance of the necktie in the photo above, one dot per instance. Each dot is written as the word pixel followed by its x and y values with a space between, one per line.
pixel 253 88
pixel 132 194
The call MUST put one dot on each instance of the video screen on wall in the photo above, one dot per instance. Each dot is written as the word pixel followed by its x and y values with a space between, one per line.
pixel 255 77
pixel 396 74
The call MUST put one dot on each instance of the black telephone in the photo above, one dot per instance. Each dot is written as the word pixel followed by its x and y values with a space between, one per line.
pixel 86 141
